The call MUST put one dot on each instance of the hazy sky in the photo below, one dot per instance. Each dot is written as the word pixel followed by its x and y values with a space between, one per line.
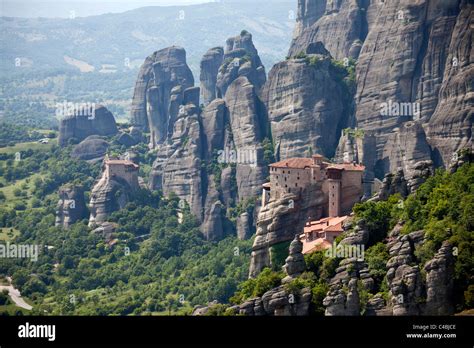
pixel 62 8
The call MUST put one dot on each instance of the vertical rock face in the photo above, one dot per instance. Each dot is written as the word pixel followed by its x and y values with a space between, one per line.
pixel 247 122
pixel 439 282
pixel 71 206
pixel 178 165
pixel 113 190
pixel 408 66
pixel 79 126
pixel 210 65
pixel 414 60
pixel 210 158
pixel 326 20
pixel 404 277
pixel 309 12
pixel 152 100
pixel 280 221
pixel 305 105
pixel 240 59
pixel 450 126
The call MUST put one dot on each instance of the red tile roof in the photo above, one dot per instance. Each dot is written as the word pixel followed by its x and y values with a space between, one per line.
pixel 347 166
pixel 332 224
pixel 294 163
pixel 121 162
pixel 317 244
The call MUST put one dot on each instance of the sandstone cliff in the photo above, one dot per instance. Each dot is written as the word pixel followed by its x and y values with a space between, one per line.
pixel 154 105
pixel 209 151
pixel 71 206
pixel 112 192
pixel 79 126
pixel 414 60
pixel 307 104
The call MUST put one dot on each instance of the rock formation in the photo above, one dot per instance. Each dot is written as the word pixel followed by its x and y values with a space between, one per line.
pixel 240 59
pixel 307 105
pixel 439 282
pixel 92 148
pixel 114 189
pixel 413 70
pixel 71 206
pixel 79 126
pixel 294 263
pixel 279 221
pixel 404 277
pixel 277 302
pixel 210 64
pixel 154 104
pixel 325 20
pixel 212 158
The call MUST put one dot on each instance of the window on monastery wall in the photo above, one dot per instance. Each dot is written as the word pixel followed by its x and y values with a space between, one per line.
pixel 296 184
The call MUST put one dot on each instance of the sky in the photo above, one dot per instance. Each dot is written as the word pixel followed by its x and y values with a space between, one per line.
pixel 82 8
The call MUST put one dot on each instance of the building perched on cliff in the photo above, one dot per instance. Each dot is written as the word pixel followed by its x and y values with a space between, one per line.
pixel 119 181
pixel 341 183
pixel 122 169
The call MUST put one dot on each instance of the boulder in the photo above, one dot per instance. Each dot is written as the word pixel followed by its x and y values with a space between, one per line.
pixel 79 126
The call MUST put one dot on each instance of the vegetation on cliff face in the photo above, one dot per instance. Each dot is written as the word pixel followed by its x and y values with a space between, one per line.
pixel 160 266
pixel 156 266
pixel 443 207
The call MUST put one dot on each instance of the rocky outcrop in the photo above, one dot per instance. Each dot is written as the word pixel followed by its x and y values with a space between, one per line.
pixel 404 184
pixel 246 123
pixel 309 12
pixel 211 157
pixel 92 148
pixel 244 226
pixel 325 20
pixel 79 126
pixel 210 64
pixel 410 68
pixel 294 263
pixel 240 59
pixel 111 193
pixel 126 139
pixel 153 105
pixel 277 302
pixel 461 157
pixel 177 168
pixel 352 275
pixel 450 126
pixel 439 282
pixel 280 220
pixel 406 288
pixel 307 106
pixel 413 71
pixel 71 206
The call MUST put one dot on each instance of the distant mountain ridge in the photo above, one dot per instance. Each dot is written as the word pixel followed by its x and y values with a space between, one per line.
pixel 122 38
